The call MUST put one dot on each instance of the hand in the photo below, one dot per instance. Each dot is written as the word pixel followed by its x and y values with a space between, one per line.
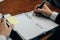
pixel 45 10
pixel 4 29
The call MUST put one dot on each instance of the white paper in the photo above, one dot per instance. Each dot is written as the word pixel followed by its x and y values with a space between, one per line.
pixel 31 26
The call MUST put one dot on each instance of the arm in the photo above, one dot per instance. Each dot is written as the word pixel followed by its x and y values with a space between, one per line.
pixel 4 29
pixel 48 13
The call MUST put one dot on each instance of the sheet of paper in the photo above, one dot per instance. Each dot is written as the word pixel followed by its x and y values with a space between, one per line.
pixel 45 23
pixel 13 20
pixel 31 26
pixel 27 28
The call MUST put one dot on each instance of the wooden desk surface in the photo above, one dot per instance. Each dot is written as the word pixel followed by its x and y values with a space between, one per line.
pixel 19 6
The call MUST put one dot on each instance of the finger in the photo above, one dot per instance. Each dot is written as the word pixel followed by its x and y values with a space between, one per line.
pixel 4 21
pixel 39 10
pixel 11 27
pixel 0 20
pixel 45 6
pixel 35 9
pixel 37 6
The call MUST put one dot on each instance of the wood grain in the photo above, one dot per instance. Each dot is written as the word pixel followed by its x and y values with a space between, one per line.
pixel 17 6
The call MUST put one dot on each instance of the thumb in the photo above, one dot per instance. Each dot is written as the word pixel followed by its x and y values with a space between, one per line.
pixel 40 10
pixel 11 27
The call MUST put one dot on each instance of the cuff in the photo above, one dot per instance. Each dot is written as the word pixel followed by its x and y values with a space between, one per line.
pixel 2 37
pixel 54 15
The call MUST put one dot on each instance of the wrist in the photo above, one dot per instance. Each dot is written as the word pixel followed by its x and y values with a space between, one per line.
pixel 49 13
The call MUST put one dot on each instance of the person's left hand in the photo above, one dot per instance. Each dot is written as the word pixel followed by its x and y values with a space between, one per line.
pixel 4 29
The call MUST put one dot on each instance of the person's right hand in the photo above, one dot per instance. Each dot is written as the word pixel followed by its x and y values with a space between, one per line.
pixel 45 10
pixel 4 29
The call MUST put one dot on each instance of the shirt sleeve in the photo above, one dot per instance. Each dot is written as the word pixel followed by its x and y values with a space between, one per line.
pixel 2 37
pixel 54 15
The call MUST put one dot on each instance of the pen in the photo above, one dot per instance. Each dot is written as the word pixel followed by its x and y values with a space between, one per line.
pixel 41 5
pixel 2 18
pixel 6 21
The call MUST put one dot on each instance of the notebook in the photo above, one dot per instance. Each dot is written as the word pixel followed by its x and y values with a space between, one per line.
pixel 30 26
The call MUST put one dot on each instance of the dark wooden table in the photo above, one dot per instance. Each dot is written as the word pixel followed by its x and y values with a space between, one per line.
pixel 19 6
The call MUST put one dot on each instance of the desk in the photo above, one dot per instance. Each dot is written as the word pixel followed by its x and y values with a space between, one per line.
pixel 19 6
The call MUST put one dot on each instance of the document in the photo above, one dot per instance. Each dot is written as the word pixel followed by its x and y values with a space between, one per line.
pixel 31 26
pixel 28 26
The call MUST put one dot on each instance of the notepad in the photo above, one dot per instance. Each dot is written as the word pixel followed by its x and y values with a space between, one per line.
pixel 13 20
pixel 29 26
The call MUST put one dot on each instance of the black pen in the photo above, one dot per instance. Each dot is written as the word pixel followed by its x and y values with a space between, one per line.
pixel 41 6
pixel 7 22
pixel 2 18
